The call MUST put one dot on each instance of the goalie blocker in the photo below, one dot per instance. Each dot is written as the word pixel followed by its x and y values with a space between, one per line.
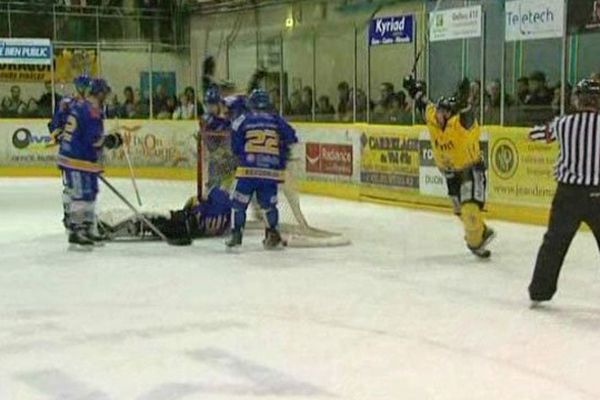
pixel 197 219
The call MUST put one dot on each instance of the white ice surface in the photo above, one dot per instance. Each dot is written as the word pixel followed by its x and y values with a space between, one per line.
pixel 404 313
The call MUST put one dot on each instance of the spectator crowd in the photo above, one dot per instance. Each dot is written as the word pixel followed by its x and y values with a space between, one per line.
pixel 534 100
pixel 132 104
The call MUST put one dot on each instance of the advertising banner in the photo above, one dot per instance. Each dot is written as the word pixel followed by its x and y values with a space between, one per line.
pixel 329 158
pixel 150 144
pixel 521 171
pixel 534 19
pixel 456 23
pixel 327 154
pixel 26 143
pixel 391 30
pixel 390 158
pixel 25 73
pixel 25 51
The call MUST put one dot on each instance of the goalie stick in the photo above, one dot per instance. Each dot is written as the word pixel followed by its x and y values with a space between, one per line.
pixel 130 166
pixel 135 211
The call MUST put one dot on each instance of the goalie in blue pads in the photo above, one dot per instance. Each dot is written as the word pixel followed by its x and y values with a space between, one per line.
pixel 197 219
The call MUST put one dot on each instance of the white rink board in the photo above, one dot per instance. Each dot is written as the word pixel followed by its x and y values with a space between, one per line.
pixel 404 313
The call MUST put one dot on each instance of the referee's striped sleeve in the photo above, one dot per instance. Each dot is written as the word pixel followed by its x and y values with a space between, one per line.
pixel 545 132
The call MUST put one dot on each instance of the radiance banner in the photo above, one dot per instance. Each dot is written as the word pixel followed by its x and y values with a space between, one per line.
pixel 327 154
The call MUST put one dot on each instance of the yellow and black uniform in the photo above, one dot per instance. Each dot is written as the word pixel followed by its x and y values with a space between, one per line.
pixel 455 147
pixel 457 154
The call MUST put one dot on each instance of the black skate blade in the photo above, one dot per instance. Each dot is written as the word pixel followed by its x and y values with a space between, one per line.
pixel 278 247
pixel 233 249
pixel 537 305
pixel 483 254
pixel 80 248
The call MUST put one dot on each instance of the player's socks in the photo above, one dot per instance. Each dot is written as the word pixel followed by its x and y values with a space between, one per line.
pixel 272 217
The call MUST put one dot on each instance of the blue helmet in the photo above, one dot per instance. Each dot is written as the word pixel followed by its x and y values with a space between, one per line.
pixel 98 85
pixel 82 82
pixel 259 100
pixel 212 95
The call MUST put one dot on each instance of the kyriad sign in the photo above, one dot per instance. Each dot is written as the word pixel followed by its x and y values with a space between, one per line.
pixel 391 30
pixel 329 159
pixel 534 19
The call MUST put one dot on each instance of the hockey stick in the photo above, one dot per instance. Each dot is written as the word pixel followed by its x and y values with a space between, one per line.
pixel 425 41
pixel 132 208
pixel 130 165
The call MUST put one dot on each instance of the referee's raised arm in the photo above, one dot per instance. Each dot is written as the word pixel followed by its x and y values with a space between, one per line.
pixel 577 197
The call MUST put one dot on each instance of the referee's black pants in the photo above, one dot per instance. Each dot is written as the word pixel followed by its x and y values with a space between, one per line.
pixel 571 206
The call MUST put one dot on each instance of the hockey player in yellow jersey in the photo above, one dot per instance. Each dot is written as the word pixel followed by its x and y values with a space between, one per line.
pixel 455 133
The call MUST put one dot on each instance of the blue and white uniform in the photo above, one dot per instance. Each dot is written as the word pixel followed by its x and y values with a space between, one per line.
pixel 261 142
pixel 78 159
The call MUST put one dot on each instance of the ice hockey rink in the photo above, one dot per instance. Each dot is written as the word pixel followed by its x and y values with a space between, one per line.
pixel 405 312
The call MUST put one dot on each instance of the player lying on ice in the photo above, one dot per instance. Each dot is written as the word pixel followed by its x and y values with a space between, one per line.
pixel 199 218
pixel 455 135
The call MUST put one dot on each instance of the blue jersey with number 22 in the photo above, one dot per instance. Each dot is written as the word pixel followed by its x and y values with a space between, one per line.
pixel 261 141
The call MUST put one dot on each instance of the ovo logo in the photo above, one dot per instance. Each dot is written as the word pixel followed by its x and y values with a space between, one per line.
pixel 23 138
pixel 505 158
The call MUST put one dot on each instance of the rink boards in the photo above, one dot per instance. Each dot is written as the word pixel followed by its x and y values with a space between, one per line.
pixel 390 164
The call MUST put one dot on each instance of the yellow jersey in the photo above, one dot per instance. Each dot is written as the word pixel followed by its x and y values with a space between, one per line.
pixel 454 147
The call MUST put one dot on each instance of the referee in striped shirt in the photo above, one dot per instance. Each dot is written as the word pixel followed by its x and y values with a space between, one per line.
pixel 577 197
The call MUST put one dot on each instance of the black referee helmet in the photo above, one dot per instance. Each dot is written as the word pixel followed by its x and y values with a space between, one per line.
pixel 587 94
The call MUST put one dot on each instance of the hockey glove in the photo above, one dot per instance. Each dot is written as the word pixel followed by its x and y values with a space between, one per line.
pixel 413 87
pixel 113 141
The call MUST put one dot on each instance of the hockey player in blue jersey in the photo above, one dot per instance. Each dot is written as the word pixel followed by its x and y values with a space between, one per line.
pixel 58 122
pixel 62 110
pixel 261 141
pixel 79 161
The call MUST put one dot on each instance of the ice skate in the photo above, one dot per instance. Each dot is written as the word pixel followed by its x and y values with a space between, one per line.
pixel 273 240
pixel 78 241
pixel 481 251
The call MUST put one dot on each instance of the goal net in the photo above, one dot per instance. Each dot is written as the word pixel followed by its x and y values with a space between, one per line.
pixel 171 162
